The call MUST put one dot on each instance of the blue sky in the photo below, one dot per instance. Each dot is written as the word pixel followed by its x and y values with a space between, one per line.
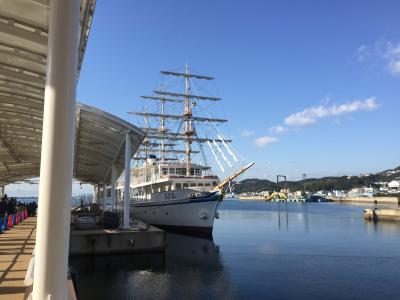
pixel 331 69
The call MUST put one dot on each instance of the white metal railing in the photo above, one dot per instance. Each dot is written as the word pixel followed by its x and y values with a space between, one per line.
pixel 28 281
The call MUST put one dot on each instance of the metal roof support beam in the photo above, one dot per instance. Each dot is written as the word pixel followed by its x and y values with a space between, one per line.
pixel 104 197
pixel 22 53
pixel 52 238
pixel 77 129
pixel 8 26
pixel 127 199
pixel 114 159
pixel 6 166
pixel 95 193
pixel 113 181
pixel 10 149
pixel 29 74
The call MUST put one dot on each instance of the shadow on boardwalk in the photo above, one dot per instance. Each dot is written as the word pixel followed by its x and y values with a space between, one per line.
pixel 16 247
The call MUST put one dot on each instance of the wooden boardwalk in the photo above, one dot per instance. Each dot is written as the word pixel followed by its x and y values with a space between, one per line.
pixel 16 247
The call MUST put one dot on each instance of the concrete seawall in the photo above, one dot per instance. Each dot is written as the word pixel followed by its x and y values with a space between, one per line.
pixel 376 200
pixel 252 198
pixel 382 214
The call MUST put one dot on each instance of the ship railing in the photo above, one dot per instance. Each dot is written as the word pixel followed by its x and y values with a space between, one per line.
pixel 191 176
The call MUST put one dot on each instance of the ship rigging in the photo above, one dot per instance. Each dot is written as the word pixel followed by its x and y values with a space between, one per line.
pixel 163 140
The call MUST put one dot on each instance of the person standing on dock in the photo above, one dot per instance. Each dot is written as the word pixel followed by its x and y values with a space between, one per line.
pixel 3 206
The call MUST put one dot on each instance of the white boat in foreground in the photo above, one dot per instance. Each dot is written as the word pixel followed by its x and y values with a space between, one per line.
pixel 184 209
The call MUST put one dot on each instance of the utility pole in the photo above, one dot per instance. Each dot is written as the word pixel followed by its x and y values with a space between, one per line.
pixel 304 181
pixel 277 182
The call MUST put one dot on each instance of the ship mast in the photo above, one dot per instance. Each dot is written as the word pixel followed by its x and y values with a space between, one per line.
pixel 188 123
pixel 188 133
pixel 162 125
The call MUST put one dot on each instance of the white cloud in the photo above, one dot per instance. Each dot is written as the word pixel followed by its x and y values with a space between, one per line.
pixel 385 50
pixel 394 67
pixel 247 133
pixel 264 141
pixel 326 99
pixel 278 129
pixel 312 114
pixel 362 53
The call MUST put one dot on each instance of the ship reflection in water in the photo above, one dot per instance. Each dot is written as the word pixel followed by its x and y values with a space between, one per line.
pixel 190 268
pixel 265 251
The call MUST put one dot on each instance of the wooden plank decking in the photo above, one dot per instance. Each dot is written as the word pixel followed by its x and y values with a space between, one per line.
pixel 16 247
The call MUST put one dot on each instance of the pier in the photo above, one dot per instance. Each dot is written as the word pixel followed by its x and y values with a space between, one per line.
pixel 138 238
pixel 16 248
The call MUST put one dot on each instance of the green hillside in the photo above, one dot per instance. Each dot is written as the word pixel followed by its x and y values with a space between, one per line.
pixel 317 184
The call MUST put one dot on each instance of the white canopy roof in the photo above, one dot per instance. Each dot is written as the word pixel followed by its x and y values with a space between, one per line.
pixel 100 136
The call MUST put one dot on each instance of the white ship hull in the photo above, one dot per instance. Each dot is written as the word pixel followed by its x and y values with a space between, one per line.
pixel 194 215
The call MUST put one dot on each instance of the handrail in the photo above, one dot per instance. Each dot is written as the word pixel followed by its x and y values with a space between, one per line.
pixel 28 281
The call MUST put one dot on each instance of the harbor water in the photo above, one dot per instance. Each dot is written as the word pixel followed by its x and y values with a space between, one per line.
pixel 259 250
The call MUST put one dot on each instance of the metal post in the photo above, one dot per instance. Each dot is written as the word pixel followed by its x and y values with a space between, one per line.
pixel 52 237
pixel 3 191
pixel 127 179
pixel 113 180
pixel 98 194
pixel 104 196
pixel 95 193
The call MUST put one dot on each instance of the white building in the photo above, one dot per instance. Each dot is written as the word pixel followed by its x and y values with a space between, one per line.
pixel 339 193
pixel 394 184
pixel 356 192
pixel 264 193
pixel 368 192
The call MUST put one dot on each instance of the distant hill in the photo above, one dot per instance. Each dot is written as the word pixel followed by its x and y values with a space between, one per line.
pixel 317 184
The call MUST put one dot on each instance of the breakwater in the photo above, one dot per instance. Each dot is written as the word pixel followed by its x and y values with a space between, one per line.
pixel 376 200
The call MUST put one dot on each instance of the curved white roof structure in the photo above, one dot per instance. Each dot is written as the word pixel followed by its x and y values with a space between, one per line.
pixel 100 136
pixel 99 142
pixel 103 144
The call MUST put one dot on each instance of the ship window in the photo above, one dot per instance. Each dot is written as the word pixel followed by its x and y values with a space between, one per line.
pixel 164 171
pixel 199 184
pixel 191 172
pixel 215 183
pixel 185 185
pixel 207 184
pixel 192 184
pixel 198 172
pixel 171 171
pixel 178 185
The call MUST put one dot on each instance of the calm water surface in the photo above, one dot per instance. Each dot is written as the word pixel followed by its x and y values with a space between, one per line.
pixel 260 251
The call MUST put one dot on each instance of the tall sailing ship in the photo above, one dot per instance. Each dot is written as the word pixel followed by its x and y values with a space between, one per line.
pixel 169 188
